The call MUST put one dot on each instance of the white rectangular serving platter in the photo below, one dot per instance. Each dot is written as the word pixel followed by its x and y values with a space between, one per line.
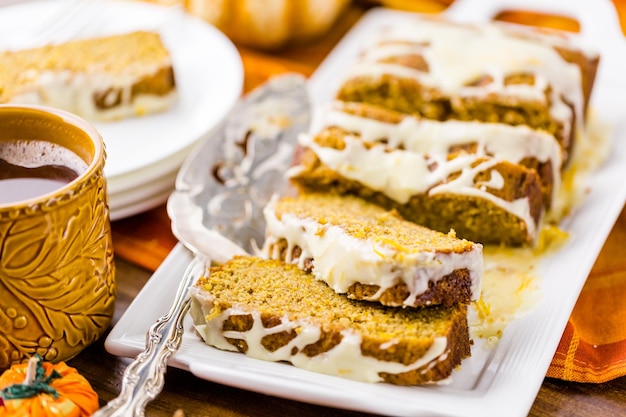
pixel 500 381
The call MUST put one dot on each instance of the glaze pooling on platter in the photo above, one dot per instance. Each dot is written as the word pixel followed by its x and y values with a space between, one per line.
pixel 511 289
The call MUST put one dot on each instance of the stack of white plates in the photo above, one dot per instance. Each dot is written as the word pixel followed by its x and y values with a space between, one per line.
pixel 145 153
pixel 136 190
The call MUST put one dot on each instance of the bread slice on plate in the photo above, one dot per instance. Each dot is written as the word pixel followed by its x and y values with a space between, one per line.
pixel 274 311
pixel 100 79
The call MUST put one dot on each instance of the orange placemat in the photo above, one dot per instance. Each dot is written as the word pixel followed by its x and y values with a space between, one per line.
pixel 593 346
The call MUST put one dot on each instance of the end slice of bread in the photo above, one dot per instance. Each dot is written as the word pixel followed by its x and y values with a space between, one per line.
pixel 274 311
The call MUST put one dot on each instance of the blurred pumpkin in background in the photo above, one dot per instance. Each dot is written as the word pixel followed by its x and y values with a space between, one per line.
pixel 268 24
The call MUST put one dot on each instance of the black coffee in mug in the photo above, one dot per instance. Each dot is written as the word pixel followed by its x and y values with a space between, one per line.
pixel 34 168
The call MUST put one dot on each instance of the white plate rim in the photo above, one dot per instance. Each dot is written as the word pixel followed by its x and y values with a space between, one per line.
pixel 139 206
pixel 131 196
pixel 516 367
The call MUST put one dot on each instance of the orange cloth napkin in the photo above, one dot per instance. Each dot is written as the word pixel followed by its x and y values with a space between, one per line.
pixel 593 346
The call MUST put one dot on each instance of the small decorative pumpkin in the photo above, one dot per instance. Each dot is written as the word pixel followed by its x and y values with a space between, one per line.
pixel 41 389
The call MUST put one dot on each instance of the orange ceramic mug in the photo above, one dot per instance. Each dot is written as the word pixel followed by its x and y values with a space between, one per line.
pixel 57 279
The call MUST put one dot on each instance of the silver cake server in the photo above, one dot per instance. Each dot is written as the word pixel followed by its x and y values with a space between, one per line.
pixel 216 212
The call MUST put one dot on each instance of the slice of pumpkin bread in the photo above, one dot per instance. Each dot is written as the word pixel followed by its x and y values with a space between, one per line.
pixel 368 253
pixel 274 311
pixel 489 72
pixel 484 198
pixel 100 79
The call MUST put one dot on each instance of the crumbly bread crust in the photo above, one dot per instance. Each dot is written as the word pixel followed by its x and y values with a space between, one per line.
pixel 587 61
pixel 114 69
pixel 452 288
pixel 265 309
pixel 448 290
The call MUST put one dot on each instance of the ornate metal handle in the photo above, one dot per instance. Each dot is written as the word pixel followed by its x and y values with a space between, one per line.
pixel 144 378
pixel 253 144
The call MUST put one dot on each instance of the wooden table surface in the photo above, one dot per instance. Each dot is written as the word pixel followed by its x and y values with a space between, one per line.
pixel 143 241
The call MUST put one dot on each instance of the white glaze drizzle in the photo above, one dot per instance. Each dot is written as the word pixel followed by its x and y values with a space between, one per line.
pixel 510 143
pixel 342 260
pixel 75 92
pixel 401 174
pixel 456 56
pixel 345 359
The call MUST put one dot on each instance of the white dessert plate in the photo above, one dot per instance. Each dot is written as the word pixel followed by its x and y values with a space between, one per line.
pixel 133 179
pixel 138 191
pixel 140 205
pixel 503 380
pixel 141 198
pixel 133 195
pixel 208 70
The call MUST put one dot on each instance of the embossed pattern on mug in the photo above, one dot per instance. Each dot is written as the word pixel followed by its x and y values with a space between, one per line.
pixel 51 304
